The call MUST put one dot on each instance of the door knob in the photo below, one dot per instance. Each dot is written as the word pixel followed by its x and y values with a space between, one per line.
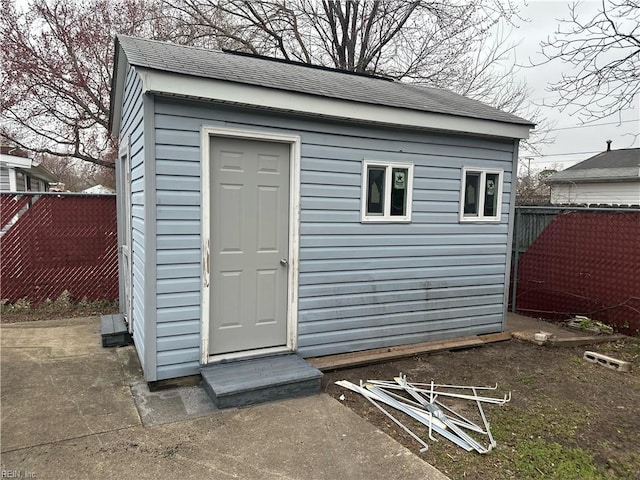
pixel 284 262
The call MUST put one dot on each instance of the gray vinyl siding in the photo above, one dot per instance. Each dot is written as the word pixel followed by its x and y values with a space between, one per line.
pixel 360 285
pixel 132 126
pixel 178 243
pixel 4 179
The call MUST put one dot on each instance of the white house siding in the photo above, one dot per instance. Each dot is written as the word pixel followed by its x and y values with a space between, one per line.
pixel 132 126
pixel 361 285
pixel 5 184
pixel 21 183
pixel 610 193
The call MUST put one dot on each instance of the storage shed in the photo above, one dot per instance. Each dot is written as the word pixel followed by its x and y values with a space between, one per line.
pixel 267 206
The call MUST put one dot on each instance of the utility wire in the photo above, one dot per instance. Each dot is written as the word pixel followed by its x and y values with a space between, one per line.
pixel 560 154
pixel 591 125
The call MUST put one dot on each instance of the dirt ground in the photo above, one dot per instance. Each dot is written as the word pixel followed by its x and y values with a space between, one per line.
pixel 568 418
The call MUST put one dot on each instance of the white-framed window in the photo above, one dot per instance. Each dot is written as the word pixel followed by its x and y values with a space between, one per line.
pixel 387 189
pixel 481 195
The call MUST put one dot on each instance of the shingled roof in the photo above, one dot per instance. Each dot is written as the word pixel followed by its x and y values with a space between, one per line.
pixel 607 166
pixel 301 78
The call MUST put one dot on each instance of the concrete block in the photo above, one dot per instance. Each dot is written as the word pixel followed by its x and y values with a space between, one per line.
pixel 609 362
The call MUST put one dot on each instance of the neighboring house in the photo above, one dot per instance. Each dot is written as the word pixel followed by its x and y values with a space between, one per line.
pixel 608 178
pixel 18 173
pixel 268 206
pixel 99 189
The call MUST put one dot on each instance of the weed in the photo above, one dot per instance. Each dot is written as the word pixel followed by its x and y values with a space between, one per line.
pixel 21 305
pixel 527 379
pixel 64 300
pixel 62 307
pixel 576 361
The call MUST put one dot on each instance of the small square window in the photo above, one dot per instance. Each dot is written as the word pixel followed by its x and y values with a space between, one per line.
pixel 481 195
pixel 386 192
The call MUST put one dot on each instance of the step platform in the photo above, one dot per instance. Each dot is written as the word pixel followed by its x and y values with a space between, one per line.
pixel 257 380
pixel 114 331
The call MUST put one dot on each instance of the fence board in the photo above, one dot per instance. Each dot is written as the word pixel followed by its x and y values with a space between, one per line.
pixel 61 242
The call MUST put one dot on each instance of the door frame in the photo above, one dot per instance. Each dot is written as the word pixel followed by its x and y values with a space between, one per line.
pixel 124 157
pixel 294 142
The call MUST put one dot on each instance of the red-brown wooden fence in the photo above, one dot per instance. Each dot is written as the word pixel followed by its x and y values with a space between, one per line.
pixel 61 242
pixel 583 262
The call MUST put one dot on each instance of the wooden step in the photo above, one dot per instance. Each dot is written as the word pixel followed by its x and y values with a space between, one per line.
pixel 247 382
pixel 114 331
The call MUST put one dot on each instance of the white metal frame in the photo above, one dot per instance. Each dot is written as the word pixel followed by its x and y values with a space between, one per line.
pixel 483 180
pixel 294 221
pixel 386 217
pixel 124 156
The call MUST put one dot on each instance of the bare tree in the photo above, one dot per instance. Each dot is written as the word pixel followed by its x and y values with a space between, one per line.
pixel 460 46
pixel 77 175
pixel 416 40
pixel 532 188
pixel 57 61
pixel 58 55
pixel 604 51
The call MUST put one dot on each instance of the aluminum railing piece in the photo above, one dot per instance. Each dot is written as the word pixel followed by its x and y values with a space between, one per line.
pixel 425 406
pixel 486 424
pixel 366 394
pixel 498 401
pixel 403 408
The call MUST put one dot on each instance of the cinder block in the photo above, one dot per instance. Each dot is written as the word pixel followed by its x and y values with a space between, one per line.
pixel 609 362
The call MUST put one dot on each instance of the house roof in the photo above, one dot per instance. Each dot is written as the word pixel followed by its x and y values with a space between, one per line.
pixel 608 166
pixel 284 79
pixel 40 172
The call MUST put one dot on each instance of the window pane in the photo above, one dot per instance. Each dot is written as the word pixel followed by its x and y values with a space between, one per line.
pixel 375 190
pixel 491 195
pixel 471 194
pixel 399 179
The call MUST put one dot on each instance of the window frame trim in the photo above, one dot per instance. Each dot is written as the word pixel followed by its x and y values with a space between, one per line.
pixel 483 171
pixel 386 217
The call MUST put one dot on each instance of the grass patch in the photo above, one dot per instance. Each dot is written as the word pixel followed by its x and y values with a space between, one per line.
pixel 541 459
pixel 527 379
pixel 541 442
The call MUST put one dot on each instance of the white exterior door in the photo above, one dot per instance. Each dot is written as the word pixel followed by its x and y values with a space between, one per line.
pixel 249 232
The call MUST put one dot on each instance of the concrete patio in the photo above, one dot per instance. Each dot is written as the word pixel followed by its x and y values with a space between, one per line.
pixel 68 411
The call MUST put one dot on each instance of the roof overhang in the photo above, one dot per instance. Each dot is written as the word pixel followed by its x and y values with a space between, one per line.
pixel 199 88
pixel 42 173
pixel 117 89
pixel 576 181
pixel 596 175
pixel 15 161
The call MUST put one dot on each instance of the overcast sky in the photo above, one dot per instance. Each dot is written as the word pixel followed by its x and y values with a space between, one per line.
pixel 581 141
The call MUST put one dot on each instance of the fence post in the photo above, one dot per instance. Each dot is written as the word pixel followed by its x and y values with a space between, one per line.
pixel 516 258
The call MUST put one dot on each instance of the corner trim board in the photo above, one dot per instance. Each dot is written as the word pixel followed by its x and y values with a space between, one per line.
pixel 150 234
pixel 510 229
